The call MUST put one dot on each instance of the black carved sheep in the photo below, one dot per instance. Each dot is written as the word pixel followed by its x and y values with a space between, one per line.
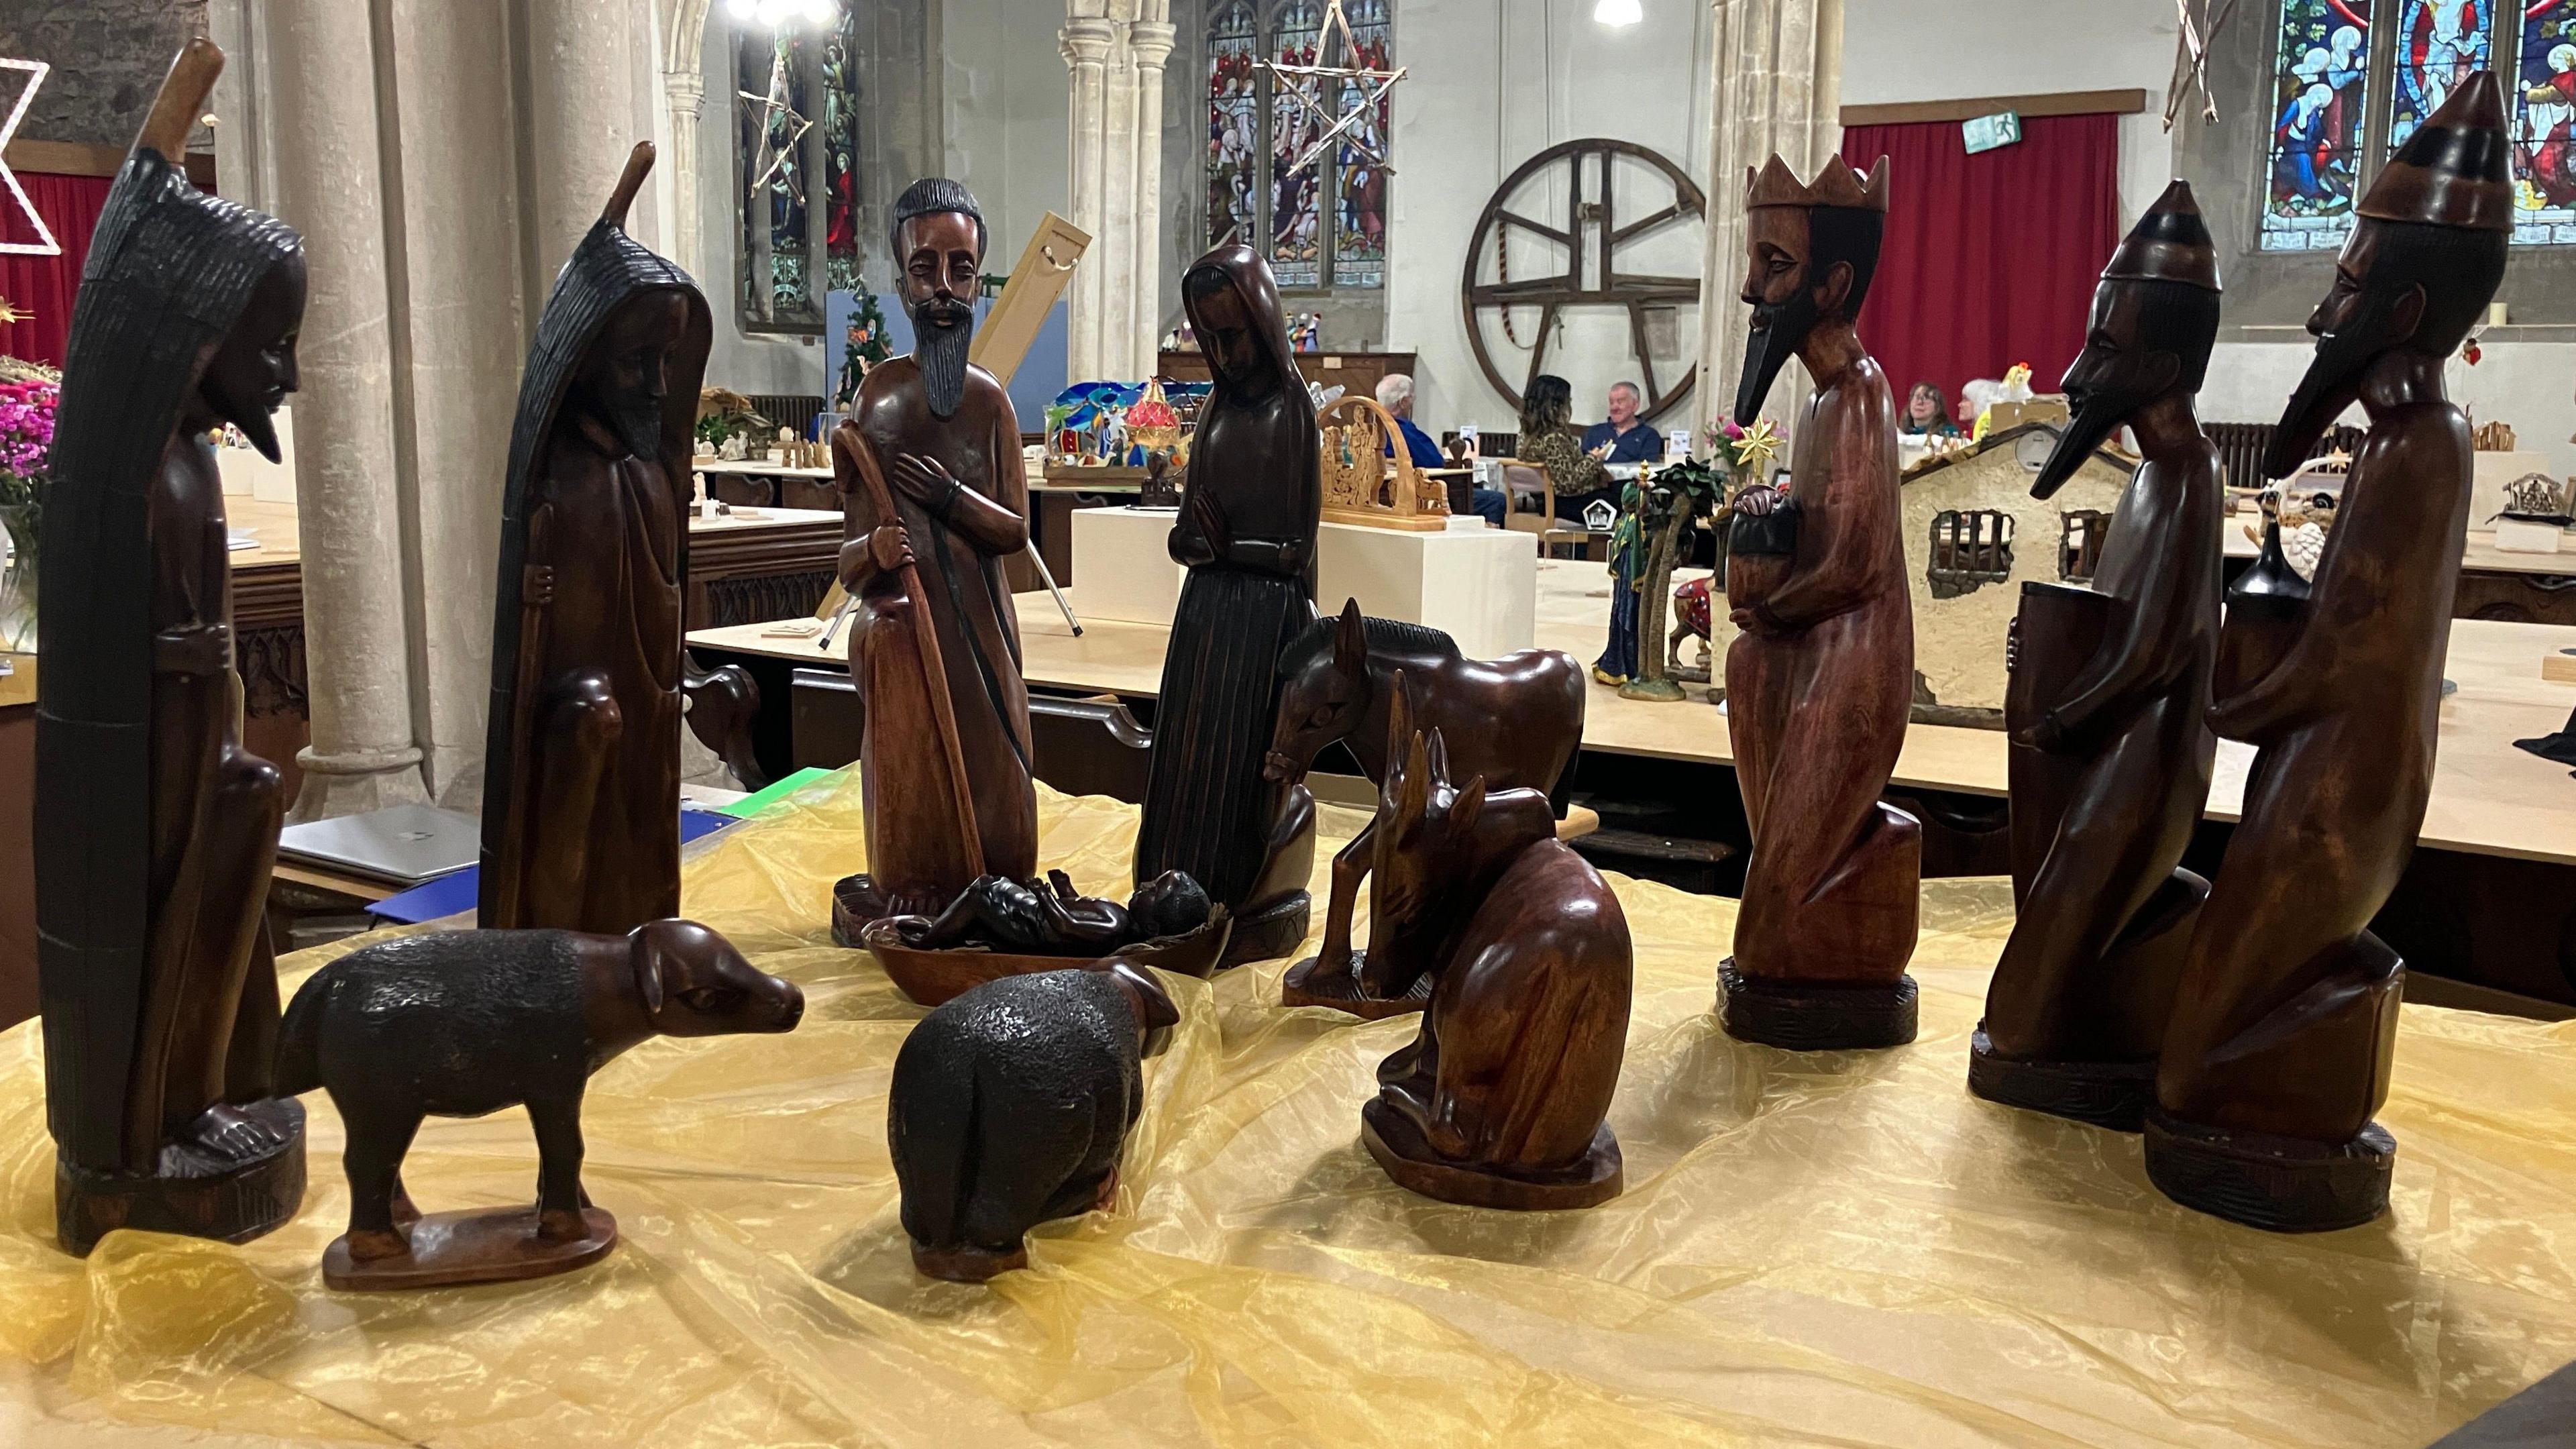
pixel 1009 1106
pixel 461 1023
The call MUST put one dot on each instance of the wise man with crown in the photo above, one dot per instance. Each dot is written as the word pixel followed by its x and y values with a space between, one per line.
pixel 1819 683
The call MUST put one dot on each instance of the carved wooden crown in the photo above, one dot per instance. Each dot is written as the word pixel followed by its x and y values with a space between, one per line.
pixel 1836 184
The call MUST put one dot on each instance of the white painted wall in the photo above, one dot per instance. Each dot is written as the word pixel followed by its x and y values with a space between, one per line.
pixel 2525 385
pixel 1006 114
pixel 1491 84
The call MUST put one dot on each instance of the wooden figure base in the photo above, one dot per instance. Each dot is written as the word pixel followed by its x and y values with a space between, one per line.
pixel 1802 1016
pixel 479 1246
pixel 1268 930
pixel 931 977
pixel 2102 1094
pixel 1653 691
pixel 1392 1139
pixel 2278 1184
pixel 228 1201
pixel 1308 985
pixel 974 1265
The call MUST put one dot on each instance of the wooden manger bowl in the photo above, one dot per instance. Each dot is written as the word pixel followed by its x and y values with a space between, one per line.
pixel 931 977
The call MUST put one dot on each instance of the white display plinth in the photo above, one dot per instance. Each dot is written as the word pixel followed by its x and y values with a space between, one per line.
pixel 1478 585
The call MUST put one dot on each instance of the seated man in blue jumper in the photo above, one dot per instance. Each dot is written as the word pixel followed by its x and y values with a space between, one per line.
pixel 1395 394
pixel 1623 439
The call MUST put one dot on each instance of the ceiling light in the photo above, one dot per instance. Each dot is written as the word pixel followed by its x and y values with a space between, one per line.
pixel 1617 12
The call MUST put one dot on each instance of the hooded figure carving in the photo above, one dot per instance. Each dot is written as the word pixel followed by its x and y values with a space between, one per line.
pixel 928 464
pixel 2284 1025
pixel 581 784
pixel 1247 533
pixel 1819 684
pixel 155 831
pixel 2110 756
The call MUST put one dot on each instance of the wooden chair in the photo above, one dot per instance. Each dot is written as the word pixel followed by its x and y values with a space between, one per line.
pixel 1367 478
pixel 1521 478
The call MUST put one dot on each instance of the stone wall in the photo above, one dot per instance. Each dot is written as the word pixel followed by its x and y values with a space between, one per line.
pixel 108 58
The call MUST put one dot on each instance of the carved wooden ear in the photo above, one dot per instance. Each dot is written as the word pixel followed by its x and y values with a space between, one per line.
pixel 1437 754
pixel 1414 796
pixel 1470 804
pixel 1154 1008
pixel 1399 717
pixel 1350 639
pixel 1834 290
pixel 646 959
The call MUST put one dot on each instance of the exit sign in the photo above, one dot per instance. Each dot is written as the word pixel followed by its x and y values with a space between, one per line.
pixel 1989 133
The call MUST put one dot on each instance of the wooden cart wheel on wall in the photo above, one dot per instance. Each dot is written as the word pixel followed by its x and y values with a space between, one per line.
pixel 1591 241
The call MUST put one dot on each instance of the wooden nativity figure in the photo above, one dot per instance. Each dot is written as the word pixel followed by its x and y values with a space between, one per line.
pixel 581 785
pixel 928 463
pixel 1819 683
pixel 2285 1022
pixel 2110 753
pixel 1501 1099
pixel 1247 534
pixel 155 830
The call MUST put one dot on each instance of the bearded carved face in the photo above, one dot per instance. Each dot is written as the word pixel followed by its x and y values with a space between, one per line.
pixel 943 254
pixel 250 375
pixel 1789 293
pixel 2371 310
pixel 2144 340
pixel 625 380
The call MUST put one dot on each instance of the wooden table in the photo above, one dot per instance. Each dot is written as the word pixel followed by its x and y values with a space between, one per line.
pixel 764 484
pixel 2516 588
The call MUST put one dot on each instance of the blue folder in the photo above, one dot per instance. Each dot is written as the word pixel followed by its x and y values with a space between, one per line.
pixel 456 891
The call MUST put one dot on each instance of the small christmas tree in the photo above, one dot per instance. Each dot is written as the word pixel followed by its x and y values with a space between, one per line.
pixel 864 348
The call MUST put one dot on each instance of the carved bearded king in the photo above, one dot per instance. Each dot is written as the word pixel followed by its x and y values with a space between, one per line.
pixel 2285 1021
pixel 1819 683
pixel 581 786
pixel 154 830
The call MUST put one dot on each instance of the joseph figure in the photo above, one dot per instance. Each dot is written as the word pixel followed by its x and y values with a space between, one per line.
pixel 581 786
pixel 928 464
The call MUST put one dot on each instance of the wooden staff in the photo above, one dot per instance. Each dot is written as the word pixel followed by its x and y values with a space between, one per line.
pixel 934 669
pixel 183 94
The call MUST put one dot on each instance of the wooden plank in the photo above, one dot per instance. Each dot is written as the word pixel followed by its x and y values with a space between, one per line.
pixel 2129 102
pixel 1046 265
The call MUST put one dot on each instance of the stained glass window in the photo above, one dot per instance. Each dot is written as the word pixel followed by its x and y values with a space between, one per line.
pixel 1321 224
pixel 2321 87
pixel 1234 124
pixel 1359 227
pixel 2545 211
pixel 840 155
pixel 796 136
pixel 2440 43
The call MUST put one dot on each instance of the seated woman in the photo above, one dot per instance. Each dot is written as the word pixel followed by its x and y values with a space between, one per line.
pixel 1049 919
pixel 1927 413
pixel 1548 439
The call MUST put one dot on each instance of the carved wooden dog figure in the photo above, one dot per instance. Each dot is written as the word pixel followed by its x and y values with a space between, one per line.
pixel 460 1024
pixel 1500 1101
pixel 1010 1105
pixel 1518 721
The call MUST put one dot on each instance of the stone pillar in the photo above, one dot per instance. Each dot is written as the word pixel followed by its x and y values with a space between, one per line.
pixel 1151 42
pixel 583 116
pixel 325 147
pixel 684 94
pixel 1086 41
pixel 1774 84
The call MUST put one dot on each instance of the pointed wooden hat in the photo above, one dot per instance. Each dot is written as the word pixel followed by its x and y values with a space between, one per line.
pixel 2169 244
pixel 2454 170
pixel 1836 184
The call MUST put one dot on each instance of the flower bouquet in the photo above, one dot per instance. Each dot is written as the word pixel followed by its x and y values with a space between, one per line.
pixel 28 395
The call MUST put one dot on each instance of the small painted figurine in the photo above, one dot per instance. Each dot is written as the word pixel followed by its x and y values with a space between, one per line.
pixel 2285 1023
pixel 1819 683
pixel 928 463
pixel 1247 535
pixel 1010 1105
pixel 1050 919
pixel 1518 721
pixel 581 786
pixel 1617 663
pixel 2111 757
pixel 465 1023
pixel 154 829
pixel 1501 1100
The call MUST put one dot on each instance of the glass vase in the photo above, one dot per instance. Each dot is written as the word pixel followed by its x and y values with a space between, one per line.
pixel 18 580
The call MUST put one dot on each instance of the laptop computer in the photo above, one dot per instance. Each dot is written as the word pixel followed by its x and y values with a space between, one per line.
pixel 400 844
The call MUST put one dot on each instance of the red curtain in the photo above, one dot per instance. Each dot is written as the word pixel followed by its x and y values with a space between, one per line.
pixel 42 287
pixel 1990 259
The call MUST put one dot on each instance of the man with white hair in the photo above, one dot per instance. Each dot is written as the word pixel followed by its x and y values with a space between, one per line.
pixel 1395 394
pixel 1624 439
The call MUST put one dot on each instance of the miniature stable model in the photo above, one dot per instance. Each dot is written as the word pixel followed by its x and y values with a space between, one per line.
pixel 1010 1105
pixel 929 463
pixel 154 830
pixel 1247 535
pixel 2285 1022
pixel 581 785
pixel 1500 1101
pixel 1518 721
pixel 999 927
pixel 1818 683
pixel 2111 756
pixel 464 1023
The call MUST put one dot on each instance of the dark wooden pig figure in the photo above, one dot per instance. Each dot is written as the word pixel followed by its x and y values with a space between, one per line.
pixel 460 1024
pixel 1010 1106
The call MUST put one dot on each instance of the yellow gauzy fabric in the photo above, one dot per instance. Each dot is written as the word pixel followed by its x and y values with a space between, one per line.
pixel 1840 1249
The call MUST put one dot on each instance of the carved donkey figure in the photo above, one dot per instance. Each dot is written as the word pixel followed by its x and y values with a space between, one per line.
pixel 1500 1101
pixel 1517 721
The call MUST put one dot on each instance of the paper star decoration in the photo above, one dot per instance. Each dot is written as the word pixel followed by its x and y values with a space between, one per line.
pixel 765 112
pixel 1300 82
pixel 44 245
